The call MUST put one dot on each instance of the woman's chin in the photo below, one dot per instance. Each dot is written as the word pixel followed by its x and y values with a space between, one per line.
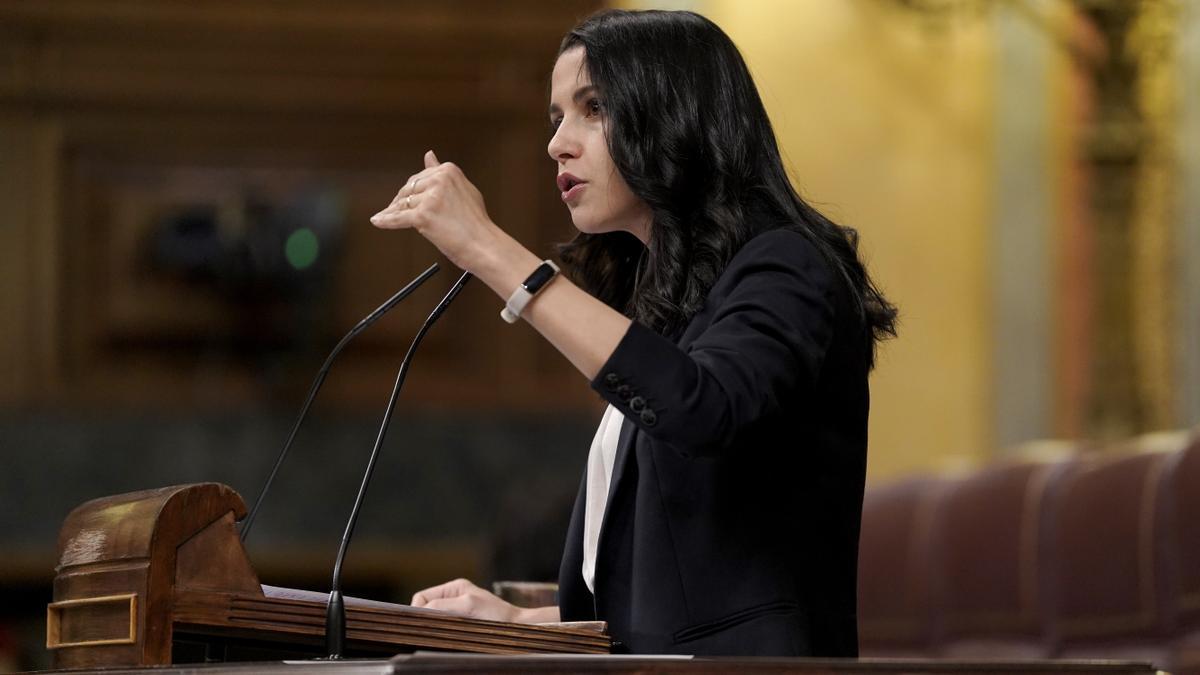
pixel 587 225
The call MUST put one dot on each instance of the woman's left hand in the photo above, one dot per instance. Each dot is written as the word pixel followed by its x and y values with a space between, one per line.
pixel 463 597
pixel 445 208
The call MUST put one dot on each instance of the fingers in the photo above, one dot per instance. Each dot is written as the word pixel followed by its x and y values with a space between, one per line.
pixel 413 184
pixel 393 217
pixel 432 184
pixel 402 212
pixel 431 163
pixel 410 186
pixel 450 589
pixel 463 604
pixel 463 597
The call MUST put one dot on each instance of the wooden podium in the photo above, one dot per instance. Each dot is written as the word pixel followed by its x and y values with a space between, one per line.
pixel 142 573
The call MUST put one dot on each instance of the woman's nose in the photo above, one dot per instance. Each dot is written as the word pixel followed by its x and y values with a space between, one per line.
pixel 562 144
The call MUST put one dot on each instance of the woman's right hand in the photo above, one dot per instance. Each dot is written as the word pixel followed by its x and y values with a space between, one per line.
pixel 463 597
pixel 447 209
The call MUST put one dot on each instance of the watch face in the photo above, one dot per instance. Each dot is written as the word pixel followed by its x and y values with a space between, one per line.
pixel 540 276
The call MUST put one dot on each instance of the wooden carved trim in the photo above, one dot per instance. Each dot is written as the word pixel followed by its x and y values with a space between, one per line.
pixel 54 612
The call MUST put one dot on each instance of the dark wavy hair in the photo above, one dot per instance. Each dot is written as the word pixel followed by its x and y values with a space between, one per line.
pixel 689 134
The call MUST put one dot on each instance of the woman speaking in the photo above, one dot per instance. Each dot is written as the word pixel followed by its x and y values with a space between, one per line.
pixel 730 326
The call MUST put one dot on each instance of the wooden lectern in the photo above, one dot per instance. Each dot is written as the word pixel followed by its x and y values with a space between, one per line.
pixel 143 572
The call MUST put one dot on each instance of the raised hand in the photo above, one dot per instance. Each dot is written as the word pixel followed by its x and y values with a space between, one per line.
pixel 445 208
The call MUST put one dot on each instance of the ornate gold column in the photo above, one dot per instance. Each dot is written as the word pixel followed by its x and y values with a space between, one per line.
pixel 1127 151
pixel 1116 365
pixel 1155 296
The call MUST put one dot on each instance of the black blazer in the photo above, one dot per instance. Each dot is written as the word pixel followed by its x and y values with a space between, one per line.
pixel 733 514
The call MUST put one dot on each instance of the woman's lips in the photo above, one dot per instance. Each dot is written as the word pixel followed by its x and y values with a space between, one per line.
pixel 569 185
pixel 573 194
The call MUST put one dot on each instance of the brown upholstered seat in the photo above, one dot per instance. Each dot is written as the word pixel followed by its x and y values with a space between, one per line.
pixel 990 551
pixel 1111 597
pixel 895 611
pixel 1097 557
pixel 1182 534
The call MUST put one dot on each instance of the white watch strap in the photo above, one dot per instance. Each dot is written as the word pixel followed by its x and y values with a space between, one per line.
pixel 521 297
pixel 516 304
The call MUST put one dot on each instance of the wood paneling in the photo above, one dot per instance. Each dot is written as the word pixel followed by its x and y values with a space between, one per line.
pixel 113 113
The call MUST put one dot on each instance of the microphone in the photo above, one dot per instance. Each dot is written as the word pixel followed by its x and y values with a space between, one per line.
pixel 335 611
pixel 320 379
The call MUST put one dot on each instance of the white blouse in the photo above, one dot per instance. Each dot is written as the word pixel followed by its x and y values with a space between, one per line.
pixel 599 477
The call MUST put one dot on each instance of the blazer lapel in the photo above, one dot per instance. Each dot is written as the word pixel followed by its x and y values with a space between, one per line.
pixel 624 447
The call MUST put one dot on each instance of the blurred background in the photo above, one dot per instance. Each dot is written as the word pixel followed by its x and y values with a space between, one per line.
pixel 184 195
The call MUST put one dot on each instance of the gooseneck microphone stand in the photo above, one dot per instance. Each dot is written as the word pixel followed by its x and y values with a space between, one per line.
pixel 320 379
pixel 335 611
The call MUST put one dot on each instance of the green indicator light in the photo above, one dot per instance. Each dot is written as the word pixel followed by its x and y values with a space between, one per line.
pixel 302 248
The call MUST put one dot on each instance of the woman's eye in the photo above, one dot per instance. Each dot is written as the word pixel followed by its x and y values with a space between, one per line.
pixel 594 107
pixel 555 123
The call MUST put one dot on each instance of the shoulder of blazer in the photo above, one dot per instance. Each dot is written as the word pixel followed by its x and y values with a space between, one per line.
pixel 778 246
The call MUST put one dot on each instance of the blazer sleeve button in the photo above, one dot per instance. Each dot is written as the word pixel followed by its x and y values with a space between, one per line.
pixel 637 404
pixel 624 392
pixel 612 380
pixel 649 418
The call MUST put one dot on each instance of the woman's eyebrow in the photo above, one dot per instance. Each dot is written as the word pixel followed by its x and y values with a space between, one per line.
pixel 575 98
pixel 582 92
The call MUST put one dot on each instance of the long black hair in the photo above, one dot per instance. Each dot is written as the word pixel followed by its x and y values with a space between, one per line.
pixel 689 134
